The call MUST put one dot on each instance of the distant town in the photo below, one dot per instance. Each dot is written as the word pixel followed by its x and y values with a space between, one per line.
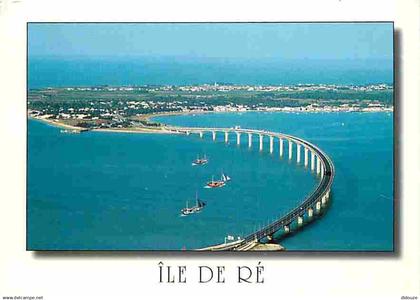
pixel 125 107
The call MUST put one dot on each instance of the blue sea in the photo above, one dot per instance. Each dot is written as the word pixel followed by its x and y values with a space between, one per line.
pixel 90 71
pixel 100 190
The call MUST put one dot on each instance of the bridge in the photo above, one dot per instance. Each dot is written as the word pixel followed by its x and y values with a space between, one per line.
pixel 319 162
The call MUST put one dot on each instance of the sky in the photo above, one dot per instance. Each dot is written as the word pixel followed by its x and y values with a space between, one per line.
pixel 278 41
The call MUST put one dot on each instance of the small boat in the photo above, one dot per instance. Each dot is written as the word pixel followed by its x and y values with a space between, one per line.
pixel 200 161
pixel 215 184
pixel 199 205
pixel 70 131
pixel 218 183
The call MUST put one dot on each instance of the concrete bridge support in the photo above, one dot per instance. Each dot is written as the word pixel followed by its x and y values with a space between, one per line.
pixel 249 140
pixel 318 165
pixel 238 138
pixel 187 132
pixel 306 156
pixel 312 161
pixel 214 135
pixel 310 212
pixel 298 153
pixel 286 228
pixel 226 137
pixel 281 147
pixel 271 144
pixel 261 142
pixel 318 206
pixel 290 149
pixel 300 220
pixel 324 199
pixel 201 134
pixel 322 171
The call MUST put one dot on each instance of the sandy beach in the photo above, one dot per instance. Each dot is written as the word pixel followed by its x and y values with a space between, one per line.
pixel 119 130
pixel 58 124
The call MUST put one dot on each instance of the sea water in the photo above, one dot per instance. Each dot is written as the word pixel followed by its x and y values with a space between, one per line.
pixel 60 72
pixel 103 190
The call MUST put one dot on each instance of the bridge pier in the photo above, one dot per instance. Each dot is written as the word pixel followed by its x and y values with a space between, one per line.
pixel 249 140
pixel 312 161
pixel 226 136
pixel 310 212
pixel 290 149
pixel 281 146
pixel 298 153
pixel 300 220
pixel 214 135
pixel 271 143
pixel 286 228
pixel 318 206
pixel 269 237
pixel 238 138
pixel 201 134
pixel 306 156
pixel 261 142
pixel 187 132
pixel 318 165
pixel 324 199
pixel 322 171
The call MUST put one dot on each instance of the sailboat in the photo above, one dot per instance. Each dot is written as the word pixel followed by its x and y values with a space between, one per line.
pixel 225 178
pixel 200 161
pixel 199 205
pixel 218 183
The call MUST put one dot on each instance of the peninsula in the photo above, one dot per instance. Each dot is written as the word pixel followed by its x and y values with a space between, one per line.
pixel 129 108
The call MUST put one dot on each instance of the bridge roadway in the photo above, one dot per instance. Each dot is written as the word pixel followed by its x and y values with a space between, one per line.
pixel 324 169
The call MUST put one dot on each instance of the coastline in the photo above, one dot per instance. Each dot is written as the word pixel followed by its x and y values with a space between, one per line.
pixel 151 116
pixel 145 117
pixel 117 130
pixel 57 124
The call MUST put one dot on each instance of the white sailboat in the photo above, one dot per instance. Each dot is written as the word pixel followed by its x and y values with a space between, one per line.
pixel 218 183
pixel 225 178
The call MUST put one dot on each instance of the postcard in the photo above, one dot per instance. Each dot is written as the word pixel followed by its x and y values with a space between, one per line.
pixel 212 149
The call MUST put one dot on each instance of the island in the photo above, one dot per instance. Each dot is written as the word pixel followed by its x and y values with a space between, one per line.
pixel 130 108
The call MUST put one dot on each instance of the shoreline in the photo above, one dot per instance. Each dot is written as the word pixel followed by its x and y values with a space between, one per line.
pixel 116 130
pixel 56 124
pixel 151 116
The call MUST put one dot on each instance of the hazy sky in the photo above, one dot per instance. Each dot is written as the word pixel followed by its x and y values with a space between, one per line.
pixel 273 41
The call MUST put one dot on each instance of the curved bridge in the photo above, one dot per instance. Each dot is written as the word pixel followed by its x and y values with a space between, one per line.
pixel 319 163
